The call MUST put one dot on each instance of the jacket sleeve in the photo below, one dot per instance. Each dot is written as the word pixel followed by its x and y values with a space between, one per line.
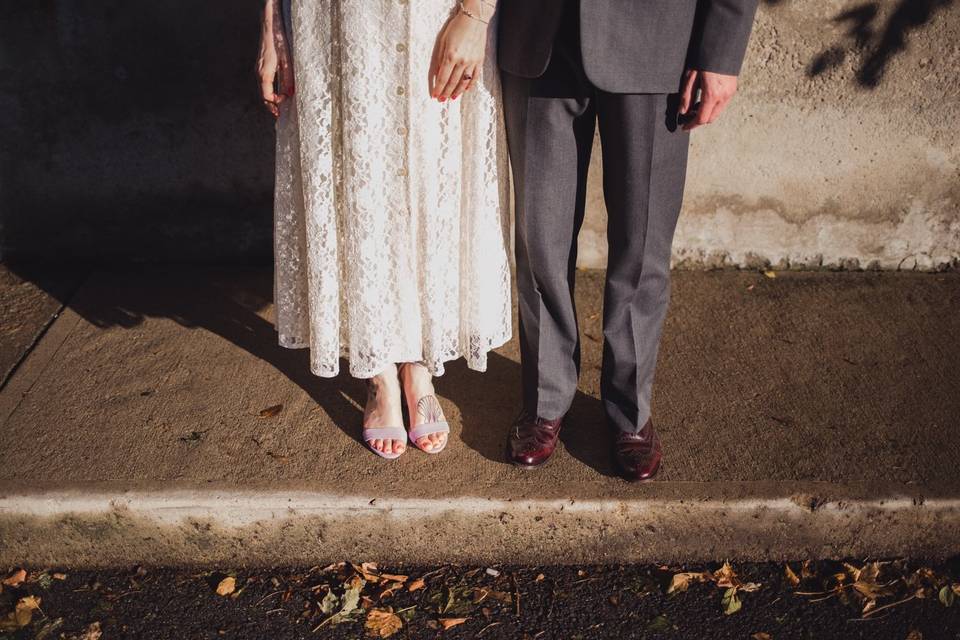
pixel 720 35
pixel 286 13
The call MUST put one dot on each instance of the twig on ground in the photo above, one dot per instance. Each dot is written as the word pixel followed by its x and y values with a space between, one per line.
pixel 267 596
pixel 887 606
pixel 492 624
pixel 516 592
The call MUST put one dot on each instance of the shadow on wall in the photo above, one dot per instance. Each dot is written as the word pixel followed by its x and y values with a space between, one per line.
pixel 133 131
pixel 878 43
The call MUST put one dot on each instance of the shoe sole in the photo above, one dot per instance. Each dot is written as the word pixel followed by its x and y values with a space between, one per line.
pixel 652 476
pixel 520 465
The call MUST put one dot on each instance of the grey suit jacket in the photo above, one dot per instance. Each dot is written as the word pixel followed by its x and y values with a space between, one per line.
pixel 630 46
pixel 287 13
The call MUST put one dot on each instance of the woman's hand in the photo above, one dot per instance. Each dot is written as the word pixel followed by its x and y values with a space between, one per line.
pixel 274 58
pixel 459 54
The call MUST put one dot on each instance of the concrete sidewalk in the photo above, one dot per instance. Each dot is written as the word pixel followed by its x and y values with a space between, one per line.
pixel 807 414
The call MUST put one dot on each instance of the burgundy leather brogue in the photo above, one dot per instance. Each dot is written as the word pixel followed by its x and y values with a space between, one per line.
pixel 532 440
pixel 637 454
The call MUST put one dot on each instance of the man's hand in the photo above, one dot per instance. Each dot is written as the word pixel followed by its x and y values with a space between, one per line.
pixel 716 89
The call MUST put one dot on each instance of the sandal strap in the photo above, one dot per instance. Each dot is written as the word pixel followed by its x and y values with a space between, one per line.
pixel 385 433
pixel 427 428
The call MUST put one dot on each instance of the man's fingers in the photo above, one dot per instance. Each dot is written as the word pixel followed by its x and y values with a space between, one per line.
pixel 718 108
pixel 704 113
pixel 686 97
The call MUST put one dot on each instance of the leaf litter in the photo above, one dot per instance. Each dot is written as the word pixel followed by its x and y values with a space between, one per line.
pixel 450 597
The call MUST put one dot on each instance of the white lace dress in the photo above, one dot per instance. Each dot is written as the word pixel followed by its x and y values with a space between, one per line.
pixel 391 210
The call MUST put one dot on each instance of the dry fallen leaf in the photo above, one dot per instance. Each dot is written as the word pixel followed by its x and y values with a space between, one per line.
pixel 762 635
pixel 92 632
pixel 271 411
pixel 482 593
pixel 914 635
pixel 368 570
pixel 59 576
pixel 730 602
pixel 383 623
pixel 725 576
pixel 792 578
pixel 419 583
pixel 329 602
pixel 393 577
pixel 770 274
pixel 446 623
pixel 946 596
pixel 227 586
pixel 390 589
pixel 15 579
pixel 682 581
pixel 21 615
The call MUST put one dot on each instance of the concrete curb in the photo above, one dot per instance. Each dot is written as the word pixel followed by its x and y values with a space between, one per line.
pixel 223 527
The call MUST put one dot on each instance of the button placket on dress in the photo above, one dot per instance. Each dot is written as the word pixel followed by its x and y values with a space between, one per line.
pixel 406 171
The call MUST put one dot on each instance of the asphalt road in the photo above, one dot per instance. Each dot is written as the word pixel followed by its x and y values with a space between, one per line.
pixel 632 601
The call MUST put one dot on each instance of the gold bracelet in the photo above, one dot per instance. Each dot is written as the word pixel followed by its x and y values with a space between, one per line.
pixel 470 14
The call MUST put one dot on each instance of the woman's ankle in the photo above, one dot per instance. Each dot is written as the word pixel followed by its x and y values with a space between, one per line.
pixel 414 377
pixel 384 396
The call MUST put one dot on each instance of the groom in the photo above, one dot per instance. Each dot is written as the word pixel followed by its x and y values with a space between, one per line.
pixel 635 69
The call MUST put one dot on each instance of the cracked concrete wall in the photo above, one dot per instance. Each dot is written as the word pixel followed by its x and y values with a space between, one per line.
pixel 133 131
pixel 840 149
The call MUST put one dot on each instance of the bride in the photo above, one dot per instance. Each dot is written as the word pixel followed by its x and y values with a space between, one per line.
pixel 391 198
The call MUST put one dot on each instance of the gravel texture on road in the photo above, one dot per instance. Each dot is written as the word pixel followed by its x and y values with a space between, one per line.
pixel 819 600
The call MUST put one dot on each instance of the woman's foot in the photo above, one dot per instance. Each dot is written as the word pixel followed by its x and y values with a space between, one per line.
pixel 422 404
pixel 383 409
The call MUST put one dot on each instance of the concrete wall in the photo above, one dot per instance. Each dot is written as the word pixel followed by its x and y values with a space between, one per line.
pixel 840 150
pixel 132 130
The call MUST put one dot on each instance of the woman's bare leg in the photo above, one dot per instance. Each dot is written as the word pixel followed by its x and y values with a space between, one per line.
pixel 383 408
pixel 422 402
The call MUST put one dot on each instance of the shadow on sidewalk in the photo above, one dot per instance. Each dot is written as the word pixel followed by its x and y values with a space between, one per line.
pixel 231 303
pixel 489 402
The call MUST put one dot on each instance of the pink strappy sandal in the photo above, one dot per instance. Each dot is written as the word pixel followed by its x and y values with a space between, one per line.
pixel 385 433
pixel 426 429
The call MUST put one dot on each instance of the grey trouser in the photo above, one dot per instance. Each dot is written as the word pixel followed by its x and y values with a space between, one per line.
pixel 550 128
